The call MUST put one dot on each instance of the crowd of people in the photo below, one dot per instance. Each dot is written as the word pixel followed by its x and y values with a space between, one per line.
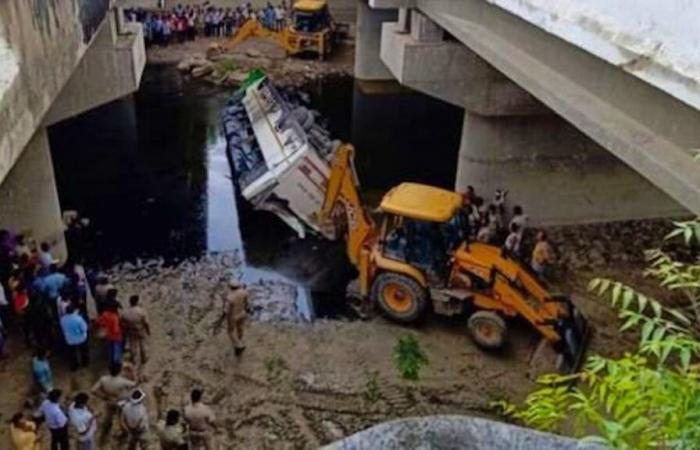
pixel 185 23
pixel 492 224
pixel 61 308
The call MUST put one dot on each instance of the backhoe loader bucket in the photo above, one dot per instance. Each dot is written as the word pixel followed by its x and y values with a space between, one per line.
pixel 574 331
pixel 566 355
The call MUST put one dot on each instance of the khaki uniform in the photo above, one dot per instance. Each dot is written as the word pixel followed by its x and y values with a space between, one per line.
pixel 135 323
pixel 114 390
pixel 236 315
pixel 200 417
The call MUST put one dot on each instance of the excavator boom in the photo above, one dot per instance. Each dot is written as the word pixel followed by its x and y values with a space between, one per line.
pixel 342 206
pixel 253 28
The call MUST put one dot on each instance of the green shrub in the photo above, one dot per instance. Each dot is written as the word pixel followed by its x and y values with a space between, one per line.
pixel 649 398
pixel 409 358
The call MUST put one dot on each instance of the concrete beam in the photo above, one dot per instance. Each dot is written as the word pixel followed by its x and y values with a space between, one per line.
pixel 453 73
pixel 368 66
pixel 111 68
pixel 28 197
pixel 646 128
pixel 41 43
pixel 391 4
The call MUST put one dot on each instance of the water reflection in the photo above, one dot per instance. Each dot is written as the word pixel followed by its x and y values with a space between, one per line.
pixel 152 173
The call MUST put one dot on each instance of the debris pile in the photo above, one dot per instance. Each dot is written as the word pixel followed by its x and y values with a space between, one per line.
pixel 186 284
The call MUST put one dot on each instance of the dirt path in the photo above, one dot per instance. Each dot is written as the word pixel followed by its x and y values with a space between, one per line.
pixel 300 385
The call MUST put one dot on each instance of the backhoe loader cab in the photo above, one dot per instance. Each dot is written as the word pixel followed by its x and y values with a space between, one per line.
pixel 422 226
pixel 311 16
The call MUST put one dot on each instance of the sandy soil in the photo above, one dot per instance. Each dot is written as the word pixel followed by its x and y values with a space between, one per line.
pixel 300 385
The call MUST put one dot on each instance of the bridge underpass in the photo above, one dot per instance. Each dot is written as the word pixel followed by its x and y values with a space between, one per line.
pixel 563 107
pixel 57 60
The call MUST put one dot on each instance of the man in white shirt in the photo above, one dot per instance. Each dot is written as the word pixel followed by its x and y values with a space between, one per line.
pixel 56 420
pixel 83 420
pixel 519 218
pixel 134 419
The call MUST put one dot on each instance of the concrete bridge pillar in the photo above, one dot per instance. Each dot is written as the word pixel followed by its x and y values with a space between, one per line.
pixel 28 197
pixel 368 65
pixel 558 174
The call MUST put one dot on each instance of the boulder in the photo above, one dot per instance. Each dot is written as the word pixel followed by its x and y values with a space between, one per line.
pixel 253 53
pixel 203 70
pixel 455 432
pixel 214 49
pixel 186 64
pixel 236 77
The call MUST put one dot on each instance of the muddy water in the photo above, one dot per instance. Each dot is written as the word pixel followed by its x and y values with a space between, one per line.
pixel 151 173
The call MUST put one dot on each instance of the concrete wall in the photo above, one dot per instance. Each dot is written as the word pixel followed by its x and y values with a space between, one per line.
pixel 41 43
pixel 558 174
pixel 28 198
pixel 368 65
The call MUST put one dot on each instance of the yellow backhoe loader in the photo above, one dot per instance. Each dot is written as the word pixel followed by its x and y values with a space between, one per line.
pixel 311 29
pixel 415 255
pixel 419 257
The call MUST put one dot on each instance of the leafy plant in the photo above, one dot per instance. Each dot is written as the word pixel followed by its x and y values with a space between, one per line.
pixel 409 358
pixel 372 392
pixel 649 398
pixel 226 65
pixel 274 366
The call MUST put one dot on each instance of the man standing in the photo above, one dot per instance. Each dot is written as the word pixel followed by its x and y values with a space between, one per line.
pixel 75 332
pixel 111 388
pixel 542 254
pixel 236 311
pixel 200 419
pixel 56 420
pixel 134 419
pixel 41 371
pixel 136 329
pixel 171 433
pixel 53 284
pixel 83 420
pixel 45 257
pixel 110 324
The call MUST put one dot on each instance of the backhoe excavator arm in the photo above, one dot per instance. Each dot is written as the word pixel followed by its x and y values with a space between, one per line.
pixel 253 28
pixel 342 201
pixel 510 287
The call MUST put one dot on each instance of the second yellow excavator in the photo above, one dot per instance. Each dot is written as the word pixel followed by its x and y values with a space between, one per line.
pixel 311 29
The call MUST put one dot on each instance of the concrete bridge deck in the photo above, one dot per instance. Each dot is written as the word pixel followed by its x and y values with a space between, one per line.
pixel 587 103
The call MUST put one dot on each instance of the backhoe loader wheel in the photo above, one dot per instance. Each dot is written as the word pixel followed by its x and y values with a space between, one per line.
pixel 399 296
pixel 487 329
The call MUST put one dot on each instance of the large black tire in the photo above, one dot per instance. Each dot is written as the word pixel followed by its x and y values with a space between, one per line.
pixel 400 297
pixel 487 329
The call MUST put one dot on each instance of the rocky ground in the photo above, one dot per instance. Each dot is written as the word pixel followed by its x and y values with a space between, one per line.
pixel 299 384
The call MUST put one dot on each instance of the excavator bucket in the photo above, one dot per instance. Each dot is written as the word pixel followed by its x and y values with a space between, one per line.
pixel 574 332
pixel 566 355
